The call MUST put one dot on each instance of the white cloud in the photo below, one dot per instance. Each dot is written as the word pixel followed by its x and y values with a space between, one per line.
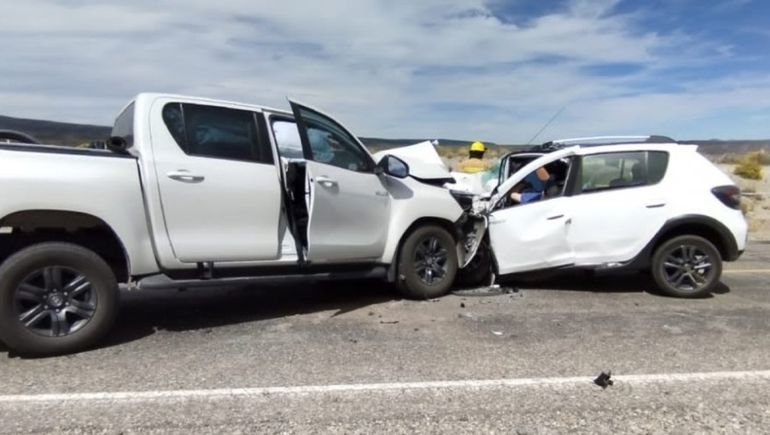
pixel 433 68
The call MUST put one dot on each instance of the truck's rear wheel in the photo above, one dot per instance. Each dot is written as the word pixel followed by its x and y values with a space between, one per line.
pixel 55 298
pixel 427 263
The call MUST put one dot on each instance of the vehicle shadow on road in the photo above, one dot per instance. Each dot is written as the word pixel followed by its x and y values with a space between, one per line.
pixel 597 283
pixel 144 313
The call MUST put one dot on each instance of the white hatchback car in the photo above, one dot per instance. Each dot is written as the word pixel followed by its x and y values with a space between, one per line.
pixel 635 203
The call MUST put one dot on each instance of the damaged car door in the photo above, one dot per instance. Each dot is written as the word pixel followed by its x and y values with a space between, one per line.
pixel 534 235
pixel 348 205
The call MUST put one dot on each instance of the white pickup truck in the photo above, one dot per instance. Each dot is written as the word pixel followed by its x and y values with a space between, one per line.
pixel 196 192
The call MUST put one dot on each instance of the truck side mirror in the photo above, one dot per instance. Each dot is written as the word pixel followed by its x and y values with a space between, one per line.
pixel 393 166
pixel 117 144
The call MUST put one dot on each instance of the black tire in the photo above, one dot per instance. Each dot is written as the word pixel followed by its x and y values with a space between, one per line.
pixel 415 282
pixel 68 293
pixel 686 267
pixel 478 271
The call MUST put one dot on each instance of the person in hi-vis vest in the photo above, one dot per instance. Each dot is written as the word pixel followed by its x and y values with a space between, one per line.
pixel 474 163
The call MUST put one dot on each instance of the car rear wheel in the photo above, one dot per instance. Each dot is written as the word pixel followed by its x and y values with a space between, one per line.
pixel 55 298
pixel 427 263
pixel 687 266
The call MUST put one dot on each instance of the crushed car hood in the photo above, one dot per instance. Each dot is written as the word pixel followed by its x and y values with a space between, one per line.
pixel 422 158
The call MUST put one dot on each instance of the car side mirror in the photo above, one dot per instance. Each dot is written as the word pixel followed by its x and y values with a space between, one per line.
pixel 393 166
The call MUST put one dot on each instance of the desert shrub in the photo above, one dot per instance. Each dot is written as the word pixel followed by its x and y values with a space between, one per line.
pixel 750 166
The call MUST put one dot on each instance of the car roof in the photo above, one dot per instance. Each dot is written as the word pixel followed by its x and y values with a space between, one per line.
pixel 612 140
pixel 603 144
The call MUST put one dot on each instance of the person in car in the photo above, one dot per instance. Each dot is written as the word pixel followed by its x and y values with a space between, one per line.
pixel 533 187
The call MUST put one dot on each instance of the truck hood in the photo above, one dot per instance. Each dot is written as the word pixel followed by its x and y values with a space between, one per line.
pixel 422 158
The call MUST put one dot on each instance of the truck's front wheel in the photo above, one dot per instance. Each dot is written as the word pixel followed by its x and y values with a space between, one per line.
pixel 427 263
pixel 55 298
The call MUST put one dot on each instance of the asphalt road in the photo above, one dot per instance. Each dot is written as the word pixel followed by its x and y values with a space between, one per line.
pixel 353 358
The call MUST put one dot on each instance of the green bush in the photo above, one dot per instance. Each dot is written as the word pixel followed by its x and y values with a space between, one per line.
pixel 750 166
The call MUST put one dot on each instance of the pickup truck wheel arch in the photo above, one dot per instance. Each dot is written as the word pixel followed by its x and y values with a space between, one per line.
pixel 38 226
pixel 445 224
pixel 427 263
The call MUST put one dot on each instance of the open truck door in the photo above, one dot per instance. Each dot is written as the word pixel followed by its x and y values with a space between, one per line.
pixel 348 205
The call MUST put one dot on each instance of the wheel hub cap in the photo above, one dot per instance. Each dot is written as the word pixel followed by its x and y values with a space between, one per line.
pixel 431 261
pixel 688 268
pixel 55 301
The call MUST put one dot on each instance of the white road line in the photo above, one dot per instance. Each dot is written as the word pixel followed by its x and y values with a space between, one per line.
pixel 226 393
pixel 732 271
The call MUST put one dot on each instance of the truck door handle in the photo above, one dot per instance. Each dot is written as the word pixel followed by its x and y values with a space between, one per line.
pixel 185 176
pixel 326 181
pixel 558 216
pixel 658 205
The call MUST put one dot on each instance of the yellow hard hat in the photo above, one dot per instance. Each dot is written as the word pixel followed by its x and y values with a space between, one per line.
pixel 478 146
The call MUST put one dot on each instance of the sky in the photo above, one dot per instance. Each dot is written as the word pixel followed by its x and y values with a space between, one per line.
pixel 491 70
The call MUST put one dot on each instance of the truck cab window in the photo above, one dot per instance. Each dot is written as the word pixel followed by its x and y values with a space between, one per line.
pixel 218 132
pixel 333 145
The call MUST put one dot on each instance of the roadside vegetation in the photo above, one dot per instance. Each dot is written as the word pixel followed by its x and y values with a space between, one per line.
pixel 750 165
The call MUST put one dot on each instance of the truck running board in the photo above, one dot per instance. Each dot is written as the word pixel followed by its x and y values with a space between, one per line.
pixel 163 282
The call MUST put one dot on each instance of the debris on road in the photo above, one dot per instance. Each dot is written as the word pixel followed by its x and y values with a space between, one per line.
pixel 497 333
pixel 462 304
pixel 491 290
pixel 603 380
pixel 388 322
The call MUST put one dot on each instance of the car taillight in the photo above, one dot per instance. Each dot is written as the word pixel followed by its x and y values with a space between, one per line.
pixel 729 195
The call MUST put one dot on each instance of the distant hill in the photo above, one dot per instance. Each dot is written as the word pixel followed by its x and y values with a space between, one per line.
pixel 392 143
pixel 717 146
pixel 53 132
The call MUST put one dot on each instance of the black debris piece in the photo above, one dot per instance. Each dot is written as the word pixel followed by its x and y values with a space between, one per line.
pixel 462 304
pixel 603 380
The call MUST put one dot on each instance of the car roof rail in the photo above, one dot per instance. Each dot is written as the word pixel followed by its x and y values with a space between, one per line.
pixel 612 140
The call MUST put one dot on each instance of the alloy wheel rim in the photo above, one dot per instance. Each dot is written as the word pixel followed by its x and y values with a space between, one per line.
pixel 688 268
pixel 55 301
pixel 431 261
